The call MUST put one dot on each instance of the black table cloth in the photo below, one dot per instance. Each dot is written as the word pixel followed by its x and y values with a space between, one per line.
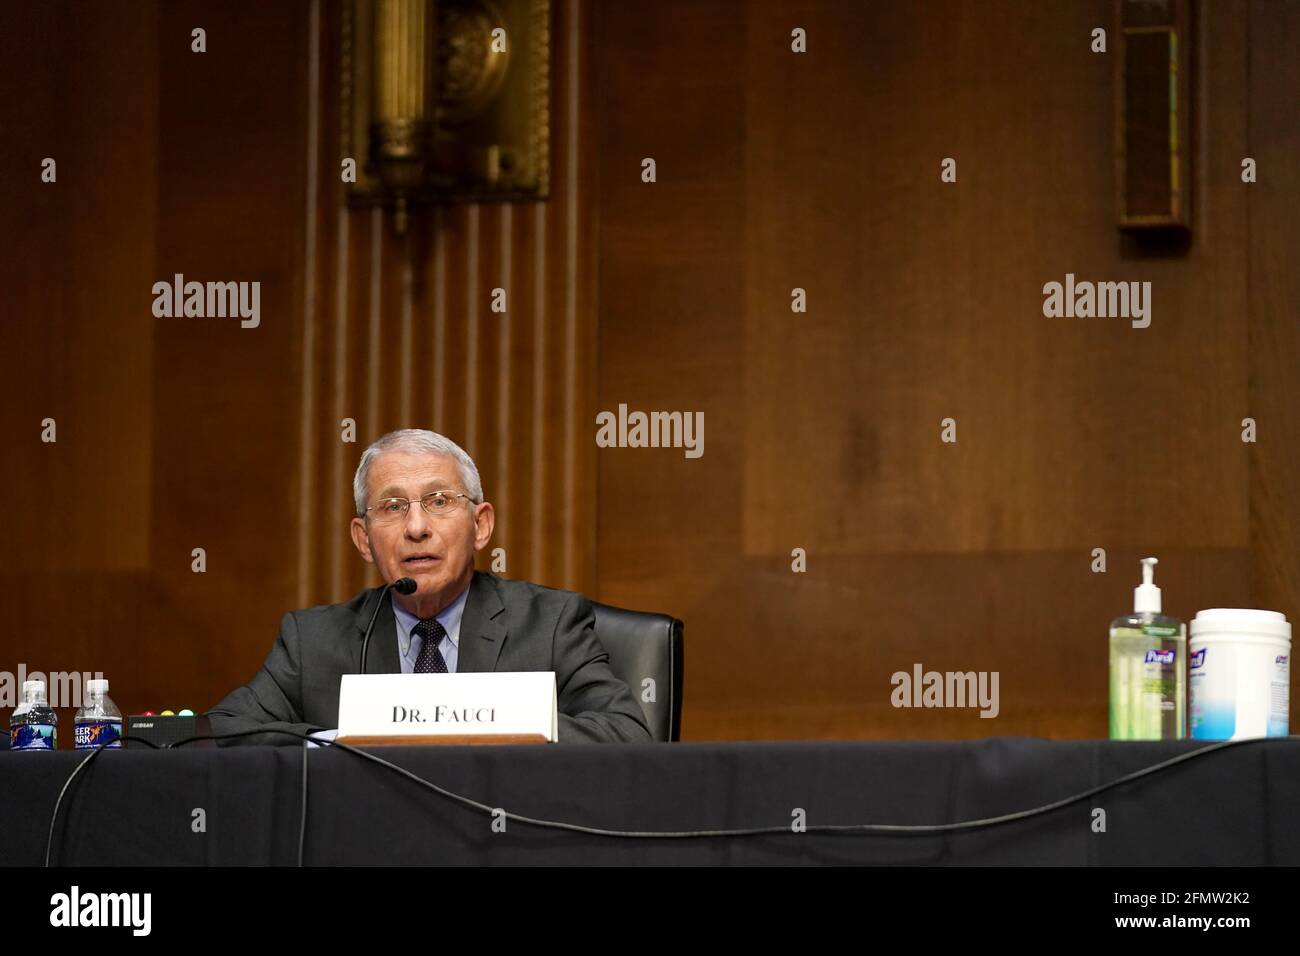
pixel 142 807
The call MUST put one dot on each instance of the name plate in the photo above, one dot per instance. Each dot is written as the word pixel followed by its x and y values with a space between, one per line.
pixel 511 707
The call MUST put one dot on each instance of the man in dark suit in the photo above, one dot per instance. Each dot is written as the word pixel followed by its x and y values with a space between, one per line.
pixel 421 515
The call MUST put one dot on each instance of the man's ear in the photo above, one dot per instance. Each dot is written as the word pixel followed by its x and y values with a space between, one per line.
pixel 361 539
pixel 485 520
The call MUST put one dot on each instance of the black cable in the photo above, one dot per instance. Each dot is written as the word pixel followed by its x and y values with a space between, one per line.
pixel 49 843
pixel 302 822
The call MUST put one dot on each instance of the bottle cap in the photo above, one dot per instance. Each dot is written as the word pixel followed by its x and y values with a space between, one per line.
pixel 34 691
pixel 96 686
pixel 1146 596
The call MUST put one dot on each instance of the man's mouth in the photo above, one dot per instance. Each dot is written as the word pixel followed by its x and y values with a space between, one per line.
pixel 417 561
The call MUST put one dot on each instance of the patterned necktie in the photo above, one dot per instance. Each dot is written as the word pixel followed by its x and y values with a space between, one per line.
pixel 430 660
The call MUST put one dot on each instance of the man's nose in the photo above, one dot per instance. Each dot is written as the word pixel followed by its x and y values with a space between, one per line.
pixel 417 522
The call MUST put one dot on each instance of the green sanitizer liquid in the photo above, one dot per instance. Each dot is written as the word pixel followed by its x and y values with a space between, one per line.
pixel 1148 669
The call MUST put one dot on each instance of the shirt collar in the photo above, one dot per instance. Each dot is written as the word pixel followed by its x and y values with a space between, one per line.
pixel 449 617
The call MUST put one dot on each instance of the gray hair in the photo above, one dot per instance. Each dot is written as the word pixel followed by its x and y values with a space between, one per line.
pixel 417 441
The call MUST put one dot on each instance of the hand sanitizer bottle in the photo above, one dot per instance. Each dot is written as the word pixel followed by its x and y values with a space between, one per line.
pixel 1148 668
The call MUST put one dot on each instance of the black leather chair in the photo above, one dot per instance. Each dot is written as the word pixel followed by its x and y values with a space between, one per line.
pixel 640 646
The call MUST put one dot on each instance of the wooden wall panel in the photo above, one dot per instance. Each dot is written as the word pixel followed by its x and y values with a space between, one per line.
pixel 918 316
pixel 821 171
pixel 1273 140
pixel 174 434
pixel 773 172
pixel 225 397
pixel 74 310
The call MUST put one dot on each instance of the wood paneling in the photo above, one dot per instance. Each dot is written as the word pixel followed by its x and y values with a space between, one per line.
pixel 177 434
pixel 169 437
pixel 822 429
pixel 821 171
pixel 1273 140
pixel 74 287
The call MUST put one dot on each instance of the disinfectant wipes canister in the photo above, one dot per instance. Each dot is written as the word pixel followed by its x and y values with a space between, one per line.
pixel 1239 668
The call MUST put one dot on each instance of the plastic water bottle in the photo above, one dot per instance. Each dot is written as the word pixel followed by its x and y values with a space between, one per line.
pixel 98 721
pixel 34 725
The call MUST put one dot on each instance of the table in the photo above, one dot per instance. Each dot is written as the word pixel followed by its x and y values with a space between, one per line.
pixel 141 807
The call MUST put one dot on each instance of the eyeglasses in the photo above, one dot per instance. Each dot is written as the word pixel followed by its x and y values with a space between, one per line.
pixel 437 503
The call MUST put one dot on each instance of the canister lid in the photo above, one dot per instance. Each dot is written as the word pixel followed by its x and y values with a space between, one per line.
pixel 1241 620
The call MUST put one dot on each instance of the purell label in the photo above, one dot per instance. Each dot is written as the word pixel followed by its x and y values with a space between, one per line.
pixel 91 734
pixel 1160 657
pixel 1198 658
pixel 32 737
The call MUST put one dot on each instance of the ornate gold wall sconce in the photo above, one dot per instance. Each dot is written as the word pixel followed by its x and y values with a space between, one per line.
pixel 445 101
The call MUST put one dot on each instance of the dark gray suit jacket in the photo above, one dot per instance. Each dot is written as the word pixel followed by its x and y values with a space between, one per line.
pixel 505 626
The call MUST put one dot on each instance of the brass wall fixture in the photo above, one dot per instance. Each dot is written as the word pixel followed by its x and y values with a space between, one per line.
pixel 1153 105
pixel 445 101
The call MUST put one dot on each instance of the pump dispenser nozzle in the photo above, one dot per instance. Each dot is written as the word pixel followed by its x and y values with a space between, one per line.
pixel 1146 596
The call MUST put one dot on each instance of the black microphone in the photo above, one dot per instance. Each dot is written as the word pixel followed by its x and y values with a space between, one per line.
pixel 401 586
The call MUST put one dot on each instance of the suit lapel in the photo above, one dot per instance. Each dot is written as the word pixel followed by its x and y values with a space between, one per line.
pixel 482 627
pixel 382 657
